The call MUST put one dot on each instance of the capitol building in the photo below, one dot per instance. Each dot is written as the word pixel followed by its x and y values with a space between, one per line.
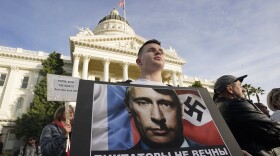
pixel 104 53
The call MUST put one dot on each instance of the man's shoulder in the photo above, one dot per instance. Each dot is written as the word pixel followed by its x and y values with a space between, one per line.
pixel 226 105
pixel 228 101
pixel 50 127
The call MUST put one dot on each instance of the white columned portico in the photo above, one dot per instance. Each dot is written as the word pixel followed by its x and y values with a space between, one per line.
pixel 125 71
pixel 76 65
pixel 106 63
pixel 85 67
pixel 180 79
pixel 174 78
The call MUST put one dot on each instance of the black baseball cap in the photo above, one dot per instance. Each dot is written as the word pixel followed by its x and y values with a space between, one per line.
pixel 225 80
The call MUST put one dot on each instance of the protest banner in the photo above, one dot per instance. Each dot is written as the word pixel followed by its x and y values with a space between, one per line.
pixel 62 88
pixel 111 119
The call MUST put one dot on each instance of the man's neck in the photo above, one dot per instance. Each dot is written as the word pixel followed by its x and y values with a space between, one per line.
pixel 31 145
pixel 154 76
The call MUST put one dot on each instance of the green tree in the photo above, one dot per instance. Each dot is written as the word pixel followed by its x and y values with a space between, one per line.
pixel 196 84
pixel 41 111
pixel 248 90
pixel 257 91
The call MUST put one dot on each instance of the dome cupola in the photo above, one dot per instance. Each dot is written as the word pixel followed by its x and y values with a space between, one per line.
pixel 113 24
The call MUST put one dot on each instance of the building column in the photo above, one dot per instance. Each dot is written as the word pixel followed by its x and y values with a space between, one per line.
pixel 12 79
pixel 33 81
pixel 75 70
pixel 174 79
pixel 106 63
pixel 180 79
pixel 125 71
pixel 86 60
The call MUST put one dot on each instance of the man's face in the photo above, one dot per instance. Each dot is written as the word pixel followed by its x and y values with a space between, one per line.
pixel 238 90
pixel 155 115
pixel 71 116
pixel 31 141
pixel 152 57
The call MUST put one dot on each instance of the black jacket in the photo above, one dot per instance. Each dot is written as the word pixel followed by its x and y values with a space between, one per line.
pixel 252 129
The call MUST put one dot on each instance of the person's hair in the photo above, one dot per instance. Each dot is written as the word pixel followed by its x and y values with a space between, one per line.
pixel 31 137
pixel 272 98
pixel 60 111
pixel 147 42
pixel 26 143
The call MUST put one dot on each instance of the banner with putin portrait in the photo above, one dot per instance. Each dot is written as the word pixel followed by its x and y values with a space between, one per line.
pixel 114 119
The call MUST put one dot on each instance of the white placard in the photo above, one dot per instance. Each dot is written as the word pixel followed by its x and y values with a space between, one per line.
pixel 62 88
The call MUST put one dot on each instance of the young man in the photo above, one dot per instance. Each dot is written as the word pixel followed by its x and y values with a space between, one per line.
pixel 151 60
pixel 157 114
pixel 253 130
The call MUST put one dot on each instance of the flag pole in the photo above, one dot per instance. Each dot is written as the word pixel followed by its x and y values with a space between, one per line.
pixel 122 4
pixel 124 12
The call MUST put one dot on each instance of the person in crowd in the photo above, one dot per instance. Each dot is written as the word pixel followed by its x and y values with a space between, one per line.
pixel 157 114
pixel 253 130
pixel 273 103
pixel 30 148
pixel 151 60
pixel 55 137
pixel 263 108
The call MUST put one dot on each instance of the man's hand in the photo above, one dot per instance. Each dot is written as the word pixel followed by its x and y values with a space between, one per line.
pixel 66 129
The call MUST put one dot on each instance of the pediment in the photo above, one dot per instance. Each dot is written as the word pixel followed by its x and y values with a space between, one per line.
pixel 124 44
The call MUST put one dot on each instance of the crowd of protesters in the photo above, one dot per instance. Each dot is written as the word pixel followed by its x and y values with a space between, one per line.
pixel 256 132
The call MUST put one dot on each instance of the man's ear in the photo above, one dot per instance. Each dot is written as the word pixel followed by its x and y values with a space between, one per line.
pixel 182 111
pixel 126 102
pixel 229 89
pixel 138 61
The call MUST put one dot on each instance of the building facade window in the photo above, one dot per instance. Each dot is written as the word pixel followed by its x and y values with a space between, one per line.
pixel 2 79
pixel 24 82
pixel 19 104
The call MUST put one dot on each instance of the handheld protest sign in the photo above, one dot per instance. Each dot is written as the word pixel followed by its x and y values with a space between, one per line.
pixel 142 120
pixel 62 88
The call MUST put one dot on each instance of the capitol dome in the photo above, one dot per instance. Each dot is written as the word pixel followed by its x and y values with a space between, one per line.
pixel 113 24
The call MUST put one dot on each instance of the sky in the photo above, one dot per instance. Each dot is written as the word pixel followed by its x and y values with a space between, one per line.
pixel 215 37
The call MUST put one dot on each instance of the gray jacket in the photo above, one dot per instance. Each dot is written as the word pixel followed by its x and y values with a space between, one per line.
pixel 52 141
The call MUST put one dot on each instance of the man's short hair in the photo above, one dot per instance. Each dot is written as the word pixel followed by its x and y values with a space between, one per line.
pixel 148 42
